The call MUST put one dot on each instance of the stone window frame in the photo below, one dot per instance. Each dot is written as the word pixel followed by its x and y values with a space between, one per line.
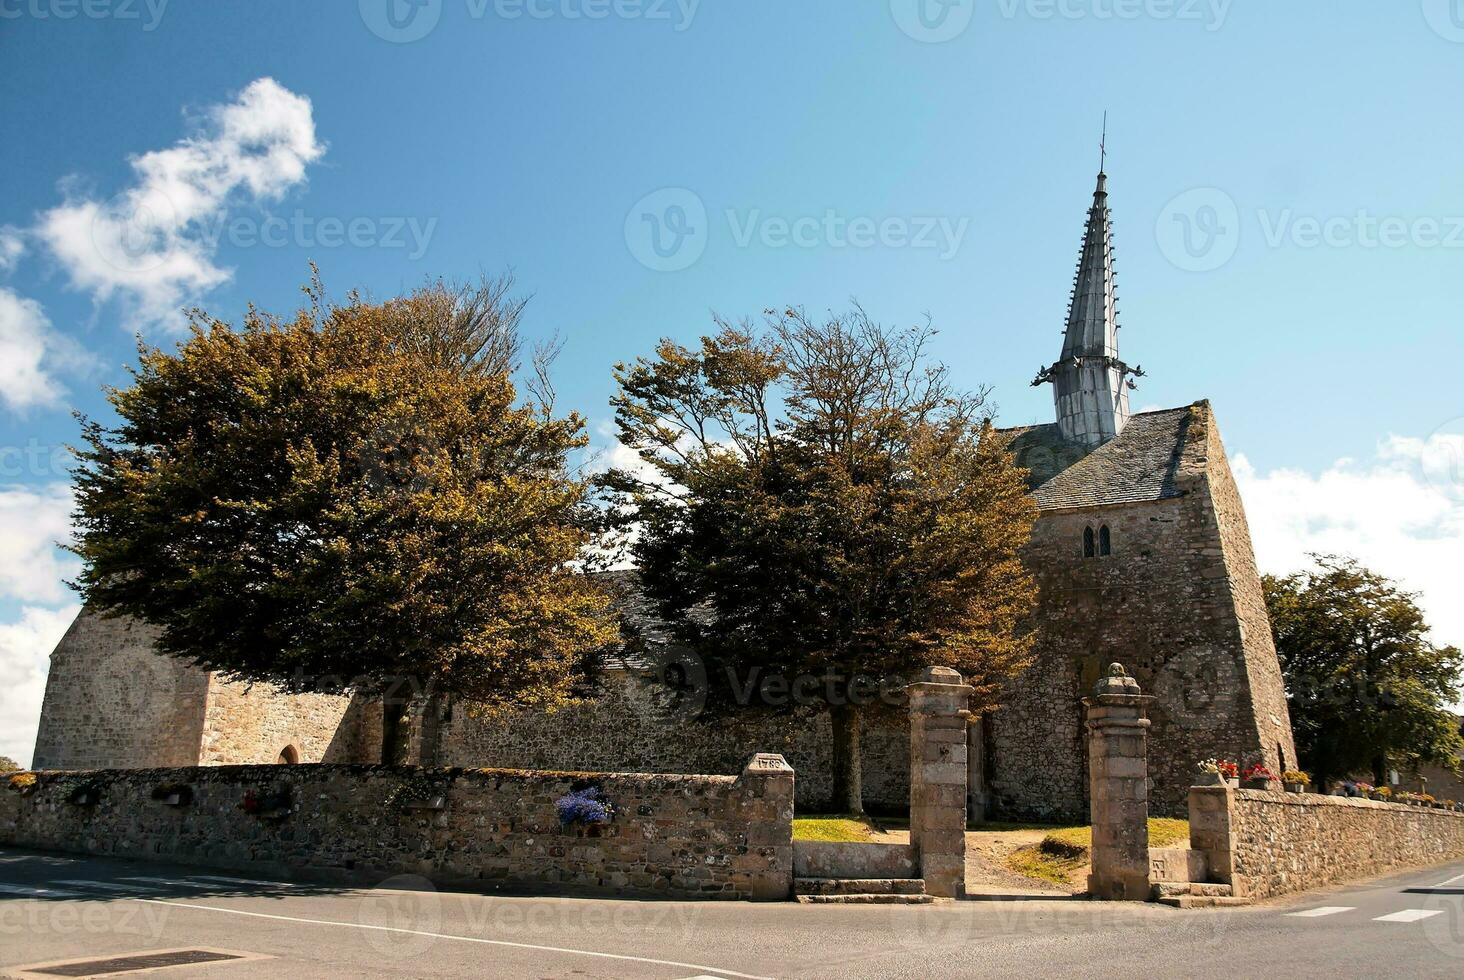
pixel 289 756
pixel 1090 547
pixel 1105 542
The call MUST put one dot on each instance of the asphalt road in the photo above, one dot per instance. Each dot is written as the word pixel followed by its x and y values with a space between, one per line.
pixel 64 908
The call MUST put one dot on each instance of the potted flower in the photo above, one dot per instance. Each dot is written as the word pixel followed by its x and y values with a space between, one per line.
pixel 1209 774
pixel 1295 781
pixel 585 809
pixel 1258 777
pixel 1382 793
pixel 1230 772
pixel 1364 790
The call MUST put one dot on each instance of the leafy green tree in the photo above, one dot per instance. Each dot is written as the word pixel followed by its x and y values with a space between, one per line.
pixel 819 514
pixel 353 496
pixel 1368 690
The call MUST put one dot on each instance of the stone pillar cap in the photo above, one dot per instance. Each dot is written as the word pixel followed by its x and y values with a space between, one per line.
pixel 767 764
pixel 941 675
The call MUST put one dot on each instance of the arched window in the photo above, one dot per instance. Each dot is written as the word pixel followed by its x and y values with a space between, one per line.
pixel 1105 541
pixel 1088 547
pixel 289 756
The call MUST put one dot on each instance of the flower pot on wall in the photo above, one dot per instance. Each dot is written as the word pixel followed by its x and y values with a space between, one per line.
pixel 1211 779
pixel 1259 783
pixel 1295 787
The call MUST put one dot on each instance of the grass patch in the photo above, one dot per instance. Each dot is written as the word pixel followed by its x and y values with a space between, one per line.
pixel 1062 852
pixel 834 830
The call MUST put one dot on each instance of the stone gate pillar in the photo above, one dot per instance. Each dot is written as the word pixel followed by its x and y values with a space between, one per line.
pixel 939 709
pixel 1118 776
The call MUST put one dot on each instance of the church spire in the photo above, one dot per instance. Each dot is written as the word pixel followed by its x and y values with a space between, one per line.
pixel 1090 384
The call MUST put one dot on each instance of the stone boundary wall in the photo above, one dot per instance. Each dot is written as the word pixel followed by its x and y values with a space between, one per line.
pixel 1264 844
pixel 721 837
pixel 831 859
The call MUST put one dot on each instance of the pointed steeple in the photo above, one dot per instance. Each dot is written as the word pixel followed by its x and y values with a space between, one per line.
pixel 1090 383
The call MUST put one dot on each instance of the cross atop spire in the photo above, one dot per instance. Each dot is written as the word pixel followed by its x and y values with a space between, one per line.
pixel 1090 383
pixel 1103 147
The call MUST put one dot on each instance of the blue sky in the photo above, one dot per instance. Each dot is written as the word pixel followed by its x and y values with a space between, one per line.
pixel 1286 183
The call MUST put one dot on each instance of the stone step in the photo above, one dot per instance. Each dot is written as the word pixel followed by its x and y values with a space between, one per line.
pixel 865 899
pixel 1204 901
pixel 859 886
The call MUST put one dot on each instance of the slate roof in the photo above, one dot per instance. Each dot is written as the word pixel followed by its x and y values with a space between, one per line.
pixel 1141 464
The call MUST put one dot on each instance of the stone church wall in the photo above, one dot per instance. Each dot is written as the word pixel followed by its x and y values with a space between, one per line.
pixel 112 701
pixel 247 723
pixel 626 730
pixel 1178 603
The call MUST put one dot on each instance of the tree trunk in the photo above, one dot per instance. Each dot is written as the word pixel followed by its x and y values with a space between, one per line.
pixel 1380 771
pixel 848 790
pixel 393 732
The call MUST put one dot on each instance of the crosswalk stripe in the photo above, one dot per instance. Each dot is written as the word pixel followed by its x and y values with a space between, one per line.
pixel 241 881
pixel 1409 915
pixel 108 886
pixel 1324 910
pixel 37 891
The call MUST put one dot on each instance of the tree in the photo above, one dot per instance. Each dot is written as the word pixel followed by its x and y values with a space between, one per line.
pixel 354 498
pixel 8 764
pixel 820 514
pixel 1368 691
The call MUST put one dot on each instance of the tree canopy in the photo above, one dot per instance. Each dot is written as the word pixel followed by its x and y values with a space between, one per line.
pixel 817 511
pixel 356 495
pixel 1367 688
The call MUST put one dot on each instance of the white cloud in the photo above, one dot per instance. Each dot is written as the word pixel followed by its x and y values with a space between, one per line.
pixel 32 521
pixel 151 245
pixel 25 651
pixel 31 352
pixel 1400 513
pixel 12 246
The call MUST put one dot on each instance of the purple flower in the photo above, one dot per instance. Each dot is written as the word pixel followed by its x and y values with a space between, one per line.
pixel 584 806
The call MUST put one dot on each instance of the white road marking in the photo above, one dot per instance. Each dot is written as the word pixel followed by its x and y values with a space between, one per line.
pixel 217 879
pixel 1324 910
pixel 37 891
pixel 461 939
pixel 1452 881
pixel 1409 915
pixel 165 881
pixel 108 886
